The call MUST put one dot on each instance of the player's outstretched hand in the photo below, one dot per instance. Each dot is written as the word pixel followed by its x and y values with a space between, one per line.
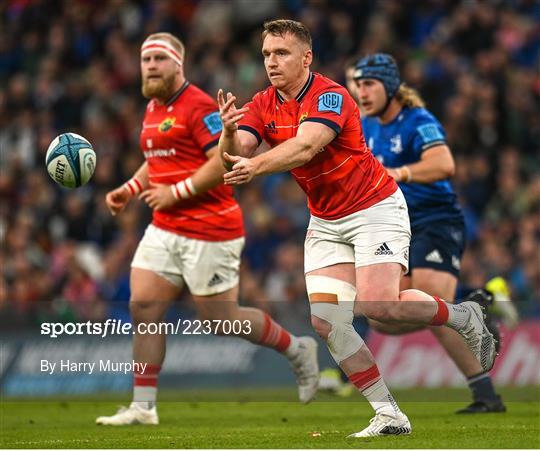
pixel 158 196
pixel 243 169
pixel 229 114
pixel 117 199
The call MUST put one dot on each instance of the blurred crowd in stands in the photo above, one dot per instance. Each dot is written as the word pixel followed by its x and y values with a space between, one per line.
pixel 73 65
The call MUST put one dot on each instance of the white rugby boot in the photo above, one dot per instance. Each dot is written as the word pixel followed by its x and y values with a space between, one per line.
pixel 383 424
pixel 306 368
pixel 477 335
pixel 134 414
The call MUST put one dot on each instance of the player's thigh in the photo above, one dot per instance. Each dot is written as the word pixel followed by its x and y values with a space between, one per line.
pixel 434 282
pixel 381 237
pixel 151 295
pixel 377 288
pixel 212 268
pixel 156 274
pixel 341 271
pixel 220 306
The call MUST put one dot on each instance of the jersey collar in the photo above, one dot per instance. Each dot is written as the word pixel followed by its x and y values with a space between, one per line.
pixel 302 92
pixel 177 94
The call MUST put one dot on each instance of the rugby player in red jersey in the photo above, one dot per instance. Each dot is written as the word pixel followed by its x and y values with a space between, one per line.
pixel 196 236
pixel 357 242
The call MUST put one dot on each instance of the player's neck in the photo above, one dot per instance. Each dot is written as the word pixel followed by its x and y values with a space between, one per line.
pixel 291 92
pixel 179 82
pixel 391 112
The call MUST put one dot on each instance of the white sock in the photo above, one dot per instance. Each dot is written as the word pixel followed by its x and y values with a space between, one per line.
pixel 144 396
pixel 292 350
pixel 458 316
pixel 380 399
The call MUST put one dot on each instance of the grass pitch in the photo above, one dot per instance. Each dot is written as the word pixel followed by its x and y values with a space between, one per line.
pixel 271 419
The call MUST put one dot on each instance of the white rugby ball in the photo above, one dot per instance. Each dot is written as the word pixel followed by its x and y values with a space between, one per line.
pixel 70 160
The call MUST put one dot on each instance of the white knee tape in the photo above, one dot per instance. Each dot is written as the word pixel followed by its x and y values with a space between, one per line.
pixel 343 341
pixel 345 292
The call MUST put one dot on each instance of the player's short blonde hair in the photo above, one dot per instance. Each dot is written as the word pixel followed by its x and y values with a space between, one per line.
pixel 173 40
pixel 281 27
pixel 409 97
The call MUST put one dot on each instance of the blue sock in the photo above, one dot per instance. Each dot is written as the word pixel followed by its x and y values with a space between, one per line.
pixel 482 387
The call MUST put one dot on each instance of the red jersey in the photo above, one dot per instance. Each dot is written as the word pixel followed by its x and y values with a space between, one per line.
pixel 174 139
pixel 344 177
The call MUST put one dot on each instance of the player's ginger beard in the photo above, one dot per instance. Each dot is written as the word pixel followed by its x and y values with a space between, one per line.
pixel 161 89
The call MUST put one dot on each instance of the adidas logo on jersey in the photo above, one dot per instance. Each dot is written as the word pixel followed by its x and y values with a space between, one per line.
pixel 271 127
pixel 215 280
pixel 383 250
pixel 434 257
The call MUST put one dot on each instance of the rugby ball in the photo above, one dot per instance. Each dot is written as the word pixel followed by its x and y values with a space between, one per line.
pixel 70 160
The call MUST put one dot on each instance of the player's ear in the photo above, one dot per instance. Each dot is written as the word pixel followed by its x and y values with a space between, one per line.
pixel 308 57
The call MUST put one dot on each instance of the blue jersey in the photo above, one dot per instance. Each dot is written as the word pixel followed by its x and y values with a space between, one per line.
pixel 402 142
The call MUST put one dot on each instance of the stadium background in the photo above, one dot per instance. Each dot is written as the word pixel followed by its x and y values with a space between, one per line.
pixel 74 66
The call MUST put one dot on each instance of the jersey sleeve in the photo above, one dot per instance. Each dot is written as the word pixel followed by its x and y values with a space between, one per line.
pixel 206 125
pixel 252 121
pixel 427 132
pixel 331 107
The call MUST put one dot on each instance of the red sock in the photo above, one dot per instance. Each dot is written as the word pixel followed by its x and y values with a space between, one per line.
pixel 274 336
pixel 147 377
pixel 363 379
pixel 441 316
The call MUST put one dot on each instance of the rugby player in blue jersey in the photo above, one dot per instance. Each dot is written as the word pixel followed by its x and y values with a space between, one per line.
pixel 411 144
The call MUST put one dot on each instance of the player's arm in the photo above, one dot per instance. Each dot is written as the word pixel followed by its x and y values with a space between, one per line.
pixel 209 175
pixel 310 140
pixel 118 198
pixel 233 141
pixel 142 175
pixel 436 163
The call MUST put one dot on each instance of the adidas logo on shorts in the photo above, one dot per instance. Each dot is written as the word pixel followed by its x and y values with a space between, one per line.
pixel 383 250
pixel 434 256
pixel 215 280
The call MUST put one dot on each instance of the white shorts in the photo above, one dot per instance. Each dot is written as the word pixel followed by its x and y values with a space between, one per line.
pixel 378 234
pixel 207 267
